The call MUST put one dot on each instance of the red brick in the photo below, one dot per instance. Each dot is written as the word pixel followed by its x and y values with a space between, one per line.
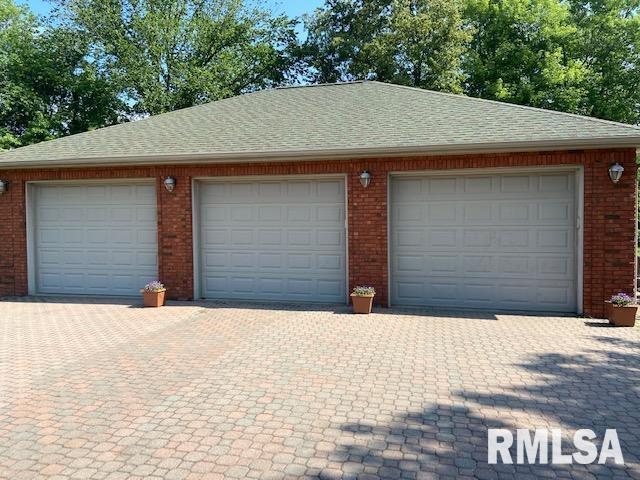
pixel 609 243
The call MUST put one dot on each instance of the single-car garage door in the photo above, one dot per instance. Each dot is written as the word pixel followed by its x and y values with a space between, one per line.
pixel 504 241
pixel 273 240
pixel 97 238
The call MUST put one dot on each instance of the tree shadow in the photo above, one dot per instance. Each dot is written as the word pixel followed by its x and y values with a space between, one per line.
pixel 597 389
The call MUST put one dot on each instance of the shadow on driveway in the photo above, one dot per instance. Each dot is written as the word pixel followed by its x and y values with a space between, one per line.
pixel 596 389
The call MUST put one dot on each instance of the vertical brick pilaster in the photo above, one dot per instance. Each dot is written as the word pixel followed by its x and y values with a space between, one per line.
pixel 368 249
pixel 610 216
pixel 175 242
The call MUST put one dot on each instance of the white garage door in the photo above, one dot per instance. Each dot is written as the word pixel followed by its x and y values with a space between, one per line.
pixel 273 240
pixel 485 241
pixel 95 238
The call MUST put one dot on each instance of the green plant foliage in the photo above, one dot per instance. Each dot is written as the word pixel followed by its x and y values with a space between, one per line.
pixel 608 44
pixel 49 86
pixel 575 56
pixel 409 42
pixel 521 53
pixel 170 54
pixel 100 62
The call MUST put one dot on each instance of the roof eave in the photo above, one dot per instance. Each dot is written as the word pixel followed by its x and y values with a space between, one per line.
pixel 327 154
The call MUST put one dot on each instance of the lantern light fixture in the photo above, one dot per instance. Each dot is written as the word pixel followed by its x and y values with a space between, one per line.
pixel 615 172
pixel 169 183
pixel 365 179
pixel 4 186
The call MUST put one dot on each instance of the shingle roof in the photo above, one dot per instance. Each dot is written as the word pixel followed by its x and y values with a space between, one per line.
pixel 349 119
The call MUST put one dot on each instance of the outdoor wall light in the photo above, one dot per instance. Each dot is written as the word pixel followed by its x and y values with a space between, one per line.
pixel 615 172
pixel 4 185
pixel 365 178
pixel 170 183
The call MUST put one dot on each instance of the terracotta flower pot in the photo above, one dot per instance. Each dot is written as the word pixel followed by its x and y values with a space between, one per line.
pixel 153 299
pixel 362 303
pixel 621 316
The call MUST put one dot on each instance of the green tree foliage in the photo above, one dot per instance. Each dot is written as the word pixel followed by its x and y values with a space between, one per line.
pixel 101 62
pixel 608 44
pixel 522 53
pixel 170 54
pixel 48 85
pixel 578 56
pixel 410 42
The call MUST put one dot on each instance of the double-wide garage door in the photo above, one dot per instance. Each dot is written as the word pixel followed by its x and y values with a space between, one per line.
pixel 273 240
pixel 504 241
pixel 93 239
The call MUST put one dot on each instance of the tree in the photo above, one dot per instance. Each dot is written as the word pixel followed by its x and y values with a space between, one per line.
pixel 409 42
pixel 16 26
pixel 170 54
pixel 522 53
pixel 48 87
pixel 609 45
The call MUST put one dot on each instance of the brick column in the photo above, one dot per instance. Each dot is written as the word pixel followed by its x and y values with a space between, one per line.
pixel 13 238
pixel 610 213
pixel 175 243
pixel 368 231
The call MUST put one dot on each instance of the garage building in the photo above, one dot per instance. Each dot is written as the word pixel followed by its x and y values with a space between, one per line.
pixel 299 194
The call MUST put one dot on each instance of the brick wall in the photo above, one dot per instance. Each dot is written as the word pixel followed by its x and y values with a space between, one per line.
pixel 609 222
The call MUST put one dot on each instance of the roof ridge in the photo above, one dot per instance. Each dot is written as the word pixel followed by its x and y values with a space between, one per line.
pixel 311 85
pixel 503 103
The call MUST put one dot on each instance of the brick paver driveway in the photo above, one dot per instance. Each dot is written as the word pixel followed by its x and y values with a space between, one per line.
pixel 106 391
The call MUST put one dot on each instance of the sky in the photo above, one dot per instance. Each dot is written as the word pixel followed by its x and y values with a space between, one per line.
pixel 293 8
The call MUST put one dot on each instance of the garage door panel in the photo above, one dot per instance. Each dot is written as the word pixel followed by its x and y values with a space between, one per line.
pixel 102 240
pixel 442 238
pixel 270 237
pixel 475 238
pixel 272 287
pixel 330 214
pixel 147 238
pixel 553 238
pixel 481 212
pixel 330 262
pixel 329 189
pixel 552 267
pixel 516 265
pixel 409 238
pixel 515 213
pixel 273 240
pixel 299 238
pixel 476 293
pixel 513 239
pixel 299 214
pixel 555 266
pixel 490 241
pixel 515 184
pixel 443 214
pixel 559 184
pixel 440 187
pixel 242 237
pixel 554 211
pixel 299 261
pixel 475 264
pixel 298 189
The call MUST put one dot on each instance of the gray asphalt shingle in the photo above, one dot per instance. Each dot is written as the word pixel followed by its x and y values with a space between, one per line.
pixel 341 119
